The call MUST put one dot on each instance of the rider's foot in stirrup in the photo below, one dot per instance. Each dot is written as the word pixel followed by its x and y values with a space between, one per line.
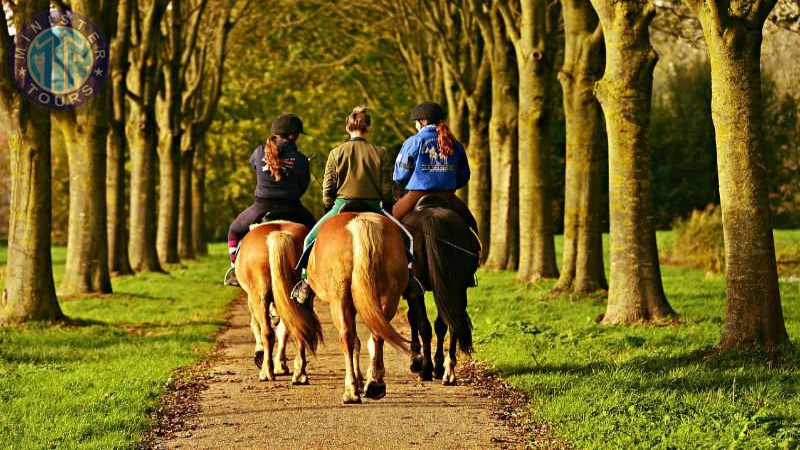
pixel 301 292
pixel 230 277
pixel 414 288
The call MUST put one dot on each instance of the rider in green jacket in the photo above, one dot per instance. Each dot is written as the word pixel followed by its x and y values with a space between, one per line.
pixel 356 170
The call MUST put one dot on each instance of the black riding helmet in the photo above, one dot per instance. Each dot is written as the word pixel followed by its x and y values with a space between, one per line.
pixel 287 124
pixel 429 111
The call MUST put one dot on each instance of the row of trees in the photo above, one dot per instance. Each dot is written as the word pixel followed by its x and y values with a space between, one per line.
pixel 500 60
pixel 167 59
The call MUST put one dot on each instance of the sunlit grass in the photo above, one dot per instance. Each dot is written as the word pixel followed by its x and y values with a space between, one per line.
pixel 92 385
pixel 640 387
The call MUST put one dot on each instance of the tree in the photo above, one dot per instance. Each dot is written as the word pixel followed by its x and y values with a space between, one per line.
pixel 531 26
pixel 142 134
pixel 635 291
pixel 584 56
pixel 85 131
pixel 733 34
pixel 29 293
pixel 504 248
pixel 118 262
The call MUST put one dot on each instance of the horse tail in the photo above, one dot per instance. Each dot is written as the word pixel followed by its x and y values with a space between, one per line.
pixel 448 291
pixel 301 321
pixel 367 232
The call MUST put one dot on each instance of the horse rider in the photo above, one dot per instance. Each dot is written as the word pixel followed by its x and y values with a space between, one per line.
pixel 282 177
pixel 355 171
pixel 432 162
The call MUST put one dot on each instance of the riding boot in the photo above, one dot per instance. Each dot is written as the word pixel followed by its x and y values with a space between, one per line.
pixel 302 292
pixel 414 287
pixel 230 277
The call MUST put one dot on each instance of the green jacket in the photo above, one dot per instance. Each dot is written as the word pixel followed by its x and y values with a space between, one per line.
pixel 358 170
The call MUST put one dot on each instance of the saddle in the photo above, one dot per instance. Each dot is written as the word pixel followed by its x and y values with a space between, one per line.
pixel 432 201
pixel 357 206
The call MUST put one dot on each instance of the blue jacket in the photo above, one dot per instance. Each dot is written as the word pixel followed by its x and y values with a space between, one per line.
pixel 420 166
pixel 296 173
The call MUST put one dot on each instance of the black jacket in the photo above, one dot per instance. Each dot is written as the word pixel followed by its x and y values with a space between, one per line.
pixel 296 174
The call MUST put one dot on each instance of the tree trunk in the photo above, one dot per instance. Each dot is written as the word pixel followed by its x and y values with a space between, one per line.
pixel 29 293
pixel 85 134
pixel 582 268
pixel 118 262
pixel 185 242
pixel 536 62
pixel 198 202
pixel 504 240
pixel 168 201
pixel 480 165
pixel 635 292
pixel 143 141
pixel 754 314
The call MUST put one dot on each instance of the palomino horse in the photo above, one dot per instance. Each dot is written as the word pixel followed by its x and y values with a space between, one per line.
pixel 447 258
pixel 265 270
pixel 359 266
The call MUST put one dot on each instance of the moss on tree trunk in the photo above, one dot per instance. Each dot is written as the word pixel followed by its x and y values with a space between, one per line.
pixel 635 290
pixel 584 56
pixel 733 33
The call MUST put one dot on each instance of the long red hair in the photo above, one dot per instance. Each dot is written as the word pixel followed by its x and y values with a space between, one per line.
pixel 272 160
pixel 446 139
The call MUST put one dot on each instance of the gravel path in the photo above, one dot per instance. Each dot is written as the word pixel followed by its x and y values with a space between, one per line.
pixel 238 411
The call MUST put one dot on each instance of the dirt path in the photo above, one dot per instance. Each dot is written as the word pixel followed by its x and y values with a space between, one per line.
pixel 238 411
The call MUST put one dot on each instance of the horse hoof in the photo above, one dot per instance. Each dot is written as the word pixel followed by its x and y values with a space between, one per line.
pixel 427 376
pixel 301 380
pixel 416 365
pixel 449 381
pixel 283 369
pixel 350 399
pixel 438 373
pixel 375 390
pixel 259 358
pixel 268 377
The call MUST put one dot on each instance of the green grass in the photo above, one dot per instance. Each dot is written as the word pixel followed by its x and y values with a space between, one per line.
pixel 93 385
pixel 636 386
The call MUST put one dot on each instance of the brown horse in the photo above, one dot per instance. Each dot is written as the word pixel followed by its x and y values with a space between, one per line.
pixel 359 266
pixel 265 270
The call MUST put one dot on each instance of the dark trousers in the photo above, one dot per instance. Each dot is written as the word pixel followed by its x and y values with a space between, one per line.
pixel 291 210
pixel 407 202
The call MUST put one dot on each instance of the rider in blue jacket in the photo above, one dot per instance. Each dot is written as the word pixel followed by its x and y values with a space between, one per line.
pixel 431 162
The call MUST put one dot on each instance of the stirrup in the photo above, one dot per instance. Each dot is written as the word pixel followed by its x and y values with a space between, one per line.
pixel 230 278
pixel 301 292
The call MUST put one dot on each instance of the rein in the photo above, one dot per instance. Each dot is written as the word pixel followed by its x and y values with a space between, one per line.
pixel 445 241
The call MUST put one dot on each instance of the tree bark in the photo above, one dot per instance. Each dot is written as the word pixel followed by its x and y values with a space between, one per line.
pixel 118 262
pixel 29 293
pixel 480 165
pixel 185 242
pixel 143 142
pixel 504 240
pixel 635 292
pixel 535 56
pixel 198 202
pixel 169 149
pixel 733 33
pixel 584 56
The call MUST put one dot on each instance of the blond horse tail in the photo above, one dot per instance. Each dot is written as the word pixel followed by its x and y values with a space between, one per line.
pixel 301 321
pixel 367 232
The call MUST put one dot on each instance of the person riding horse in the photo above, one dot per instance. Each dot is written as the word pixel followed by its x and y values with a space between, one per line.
pixel 356 172
pixel 432 162
pixel 282 177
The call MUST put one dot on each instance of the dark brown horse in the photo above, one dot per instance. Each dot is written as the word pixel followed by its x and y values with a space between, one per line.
pixel 265 270
pixel 358 266
pixel 447 256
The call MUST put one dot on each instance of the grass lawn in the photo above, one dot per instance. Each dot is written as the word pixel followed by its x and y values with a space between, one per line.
pixel 635 386
pixel 92 385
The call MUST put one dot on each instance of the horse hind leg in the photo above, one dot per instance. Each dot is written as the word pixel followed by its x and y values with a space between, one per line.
pixel 282 368
pixel 375 387
pixel 344 317
pixel 255 327
pixel 449 378
pixel 268 338
pixel 357 365
pixel 299 375
pixel 441 331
